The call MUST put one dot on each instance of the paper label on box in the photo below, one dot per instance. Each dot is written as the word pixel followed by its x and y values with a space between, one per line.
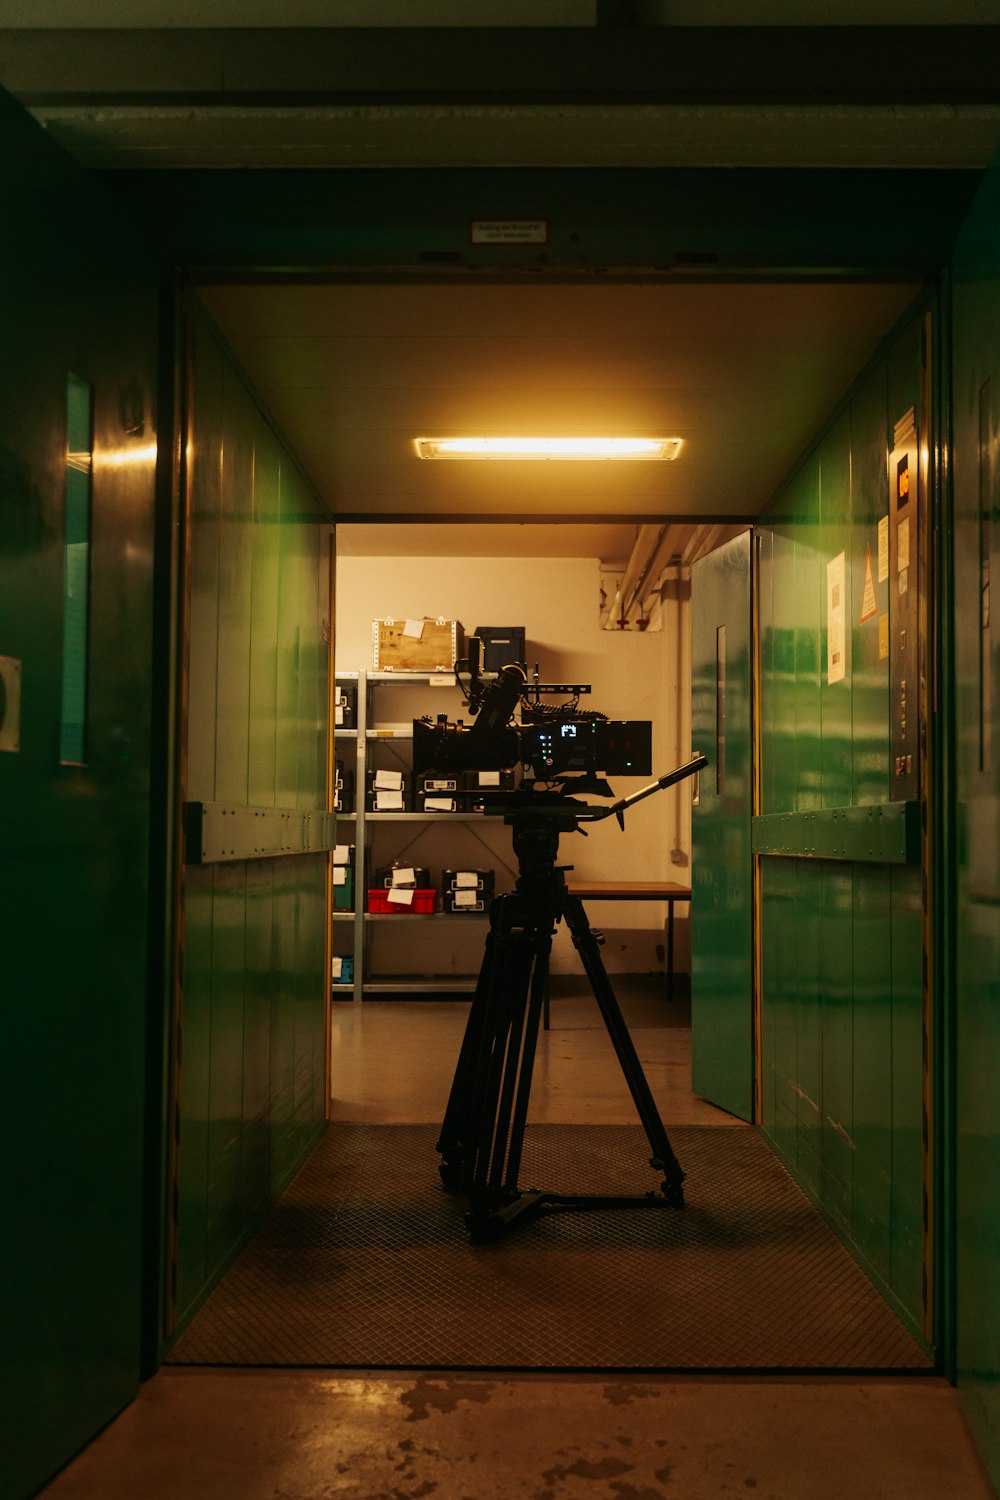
pixel 340 874
pixel 389 781
pixel 399 896
pixel 388 802
pixel 489 778
pixel 466 879
pixel 403 876
pixel 336 968
pixel 414 628
pixel 440 680
pixel 466 898
pixel 439 804
pixel 342 854
pixel 338 714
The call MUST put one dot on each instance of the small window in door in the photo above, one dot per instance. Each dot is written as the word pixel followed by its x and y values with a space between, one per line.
pixel 76 571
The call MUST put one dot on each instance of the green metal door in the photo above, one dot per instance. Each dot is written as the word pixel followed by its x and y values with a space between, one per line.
pixel 722 1052
pixel 79 293
pixel 976 476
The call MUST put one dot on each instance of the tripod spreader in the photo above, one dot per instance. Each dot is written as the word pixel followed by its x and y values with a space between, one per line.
pixel 482 1135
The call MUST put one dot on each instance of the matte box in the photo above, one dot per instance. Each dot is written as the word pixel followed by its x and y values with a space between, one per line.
pixel 398 647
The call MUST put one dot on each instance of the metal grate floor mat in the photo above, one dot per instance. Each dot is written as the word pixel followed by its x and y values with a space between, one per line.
pixel 364 1262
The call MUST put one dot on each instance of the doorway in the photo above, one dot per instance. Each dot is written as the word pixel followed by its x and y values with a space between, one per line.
pixel 369 1197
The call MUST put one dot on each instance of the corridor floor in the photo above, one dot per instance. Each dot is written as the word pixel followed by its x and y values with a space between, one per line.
pixel 268 1434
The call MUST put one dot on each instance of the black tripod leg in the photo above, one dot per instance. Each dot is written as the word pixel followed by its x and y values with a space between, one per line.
pixel 538 997
pixel 453 1142
pixel 590 955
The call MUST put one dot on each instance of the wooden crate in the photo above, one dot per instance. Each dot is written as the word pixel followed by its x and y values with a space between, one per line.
pixel 397 648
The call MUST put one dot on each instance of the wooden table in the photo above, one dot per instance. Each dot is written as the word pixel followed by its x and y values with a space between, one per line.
pixel 638 890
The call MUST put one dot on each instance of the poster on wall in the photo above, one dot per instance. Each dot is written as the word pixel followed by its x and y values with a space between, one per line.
pixel 836 619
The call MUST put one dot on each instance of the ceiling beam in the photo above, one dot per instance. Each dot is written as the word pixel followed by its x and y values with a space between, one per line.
pixel 210 66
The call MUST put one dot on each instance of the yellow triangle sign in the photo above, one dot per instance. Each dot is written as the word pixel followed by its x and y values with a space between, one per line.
pixel 869 599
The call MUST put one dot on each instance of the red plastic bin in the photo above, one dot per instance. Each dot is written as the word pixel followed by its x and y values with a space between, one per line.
pixel 422 904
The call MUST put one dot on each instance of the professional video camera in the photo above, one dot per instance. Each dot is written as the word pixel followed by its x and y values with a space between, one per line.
pixel 549 740
pixel 562 750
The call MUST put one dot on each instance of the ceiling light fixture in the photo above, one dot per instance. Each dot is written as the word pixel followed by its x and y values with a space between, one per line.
pixel 548 447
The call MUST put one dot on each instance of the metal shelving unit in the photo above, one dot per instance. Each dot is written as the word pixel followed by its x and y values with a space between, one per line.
pixel 359 822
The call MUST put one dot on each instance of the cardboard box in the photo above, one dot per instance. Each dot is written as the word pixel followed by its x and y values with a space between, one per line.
pixel 416 645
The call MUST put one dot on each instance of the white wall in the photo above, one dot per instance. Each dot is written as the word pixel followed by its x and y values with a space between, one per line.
pixel 633 676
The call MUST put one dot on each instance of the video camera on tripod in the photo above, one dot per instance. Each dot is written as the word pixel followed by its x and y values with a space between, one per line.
pixel 549 741
pixel 562 751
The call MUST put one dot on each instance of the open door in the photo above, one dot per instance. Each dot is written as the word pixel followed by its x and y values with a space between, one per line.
pixel 722 1052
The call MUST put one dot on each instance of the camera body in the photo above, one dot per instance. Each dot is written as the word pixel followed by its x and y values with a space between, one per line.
pixel 592 745
pixel 549 741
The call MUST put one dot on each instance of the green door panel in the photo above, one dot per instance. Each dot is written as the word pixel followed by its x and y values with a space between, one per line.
pixel 80 299
pixel 722 1063
pixel 841 920
pixel 976 478
pixel 251 1085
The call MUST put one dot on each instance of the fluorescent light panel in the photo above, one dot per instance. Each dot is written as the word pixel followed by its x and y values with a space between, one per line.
pixel 548 447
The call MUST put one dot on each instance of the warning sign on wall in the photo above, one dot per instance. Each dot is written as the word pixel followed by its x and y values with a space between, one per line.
pixel 509 232
pixel 869 598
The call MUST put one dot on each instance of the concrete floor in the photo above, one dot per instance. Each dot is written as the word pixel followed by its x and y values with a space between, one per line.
pixel 204 1434
pixel 382 1077
pixel 249 1435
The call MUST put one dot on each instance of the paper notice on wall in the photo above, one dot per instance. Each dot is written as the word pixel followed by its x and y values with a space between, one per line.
pixel 903 545
pixel 836 619
pixel 414 628
pixel 883 549
pixel 869 598
pixel 883 637
pixel 400 896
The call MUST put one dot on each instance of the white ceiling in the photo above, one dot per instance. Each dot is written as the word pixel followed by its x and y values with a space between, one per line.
pixel 745 374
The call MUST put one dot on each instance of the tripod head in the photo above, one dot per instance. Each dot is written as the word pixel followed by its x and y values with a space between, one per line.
pixel 536 820
pixel 561 807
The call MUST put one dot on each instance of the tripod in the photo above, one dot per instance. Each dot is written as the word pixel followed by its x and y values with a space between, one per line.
pixel 482 1135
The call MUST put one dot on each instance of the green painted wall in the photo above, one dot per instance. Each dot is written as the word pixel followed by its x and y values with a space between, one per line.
pixel 252 1078
pixel 79 294
pixel 841 1001
pixel 976 477
pixel 722 1059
